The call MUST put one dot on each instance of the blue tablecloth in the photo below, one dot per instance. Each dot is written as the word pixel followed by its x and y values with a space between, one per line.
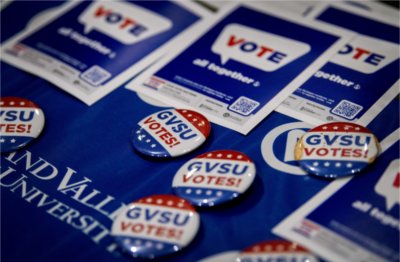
pixel 90 146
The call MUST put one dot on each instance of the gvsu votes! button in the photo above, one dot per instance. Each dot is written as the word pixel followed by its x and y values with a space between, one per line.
pixel 276 250
pixel 336 149
pixel 170 133
pixel 214 178
pixel 21 122
pixel 155 226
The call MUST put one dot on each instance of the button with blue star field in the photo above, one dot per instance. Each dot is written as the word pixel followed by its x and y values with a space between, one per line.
pixel 276 250
pixel 155 226
pixel 21 122
pixel 170 133
pixel 336 149
pixel 214 178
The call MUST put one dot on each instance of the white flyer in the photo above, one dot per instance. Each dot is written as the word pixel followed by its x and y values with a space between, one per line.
pixel 90 48
pixel 360 80
pixel 239 66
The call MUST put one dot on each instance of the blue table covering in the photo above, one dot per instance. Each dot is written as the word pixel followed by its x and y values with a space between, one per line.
pixel 60 194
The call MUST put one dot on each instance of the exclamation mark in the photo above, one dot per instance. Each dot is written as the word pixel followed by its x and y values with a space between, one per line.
pixel 366 154
pixel 396 181
pixel 238 182
pixel 179 234
pixel 177 143
pixel 29 128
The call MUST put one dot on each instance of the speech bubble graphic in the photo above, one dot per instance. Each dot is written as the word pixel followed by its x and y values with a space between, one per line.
pixel 388 185
pixel 256 48
pixel 125 22
pixel 366 54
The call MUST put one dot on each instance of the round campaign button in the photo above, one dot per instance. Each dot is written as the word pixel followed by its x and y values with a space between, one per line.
pixel 214 178
pixel 21 122
pixel 276 250
pixel 170 133
pixel 155 226
pixel 227 256
pixel 336 149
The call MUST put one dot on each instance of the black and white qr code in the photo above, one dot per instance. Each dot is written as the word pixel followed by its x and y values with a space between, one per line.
pixel 244 105
pixel 95 75
pixel 347 109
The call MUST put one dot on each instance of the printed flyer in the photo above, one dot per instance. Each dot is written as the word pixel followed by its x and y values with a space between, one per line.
pixel 359 79
pixel 298 7
pixel 238 67
pixel 354 219
pixel 90 48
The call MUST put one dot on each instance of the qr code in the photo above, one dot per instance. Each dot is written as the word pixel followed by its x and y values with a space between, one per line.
pixel 95 75
pixel 244 106
pixel 347 109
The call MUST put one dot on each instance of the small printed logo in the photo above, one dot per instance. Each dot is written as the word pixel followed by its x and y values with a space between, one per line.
pixel 125 22
pixel 256 48
pixel 154 83
pixel 17 50
pixel 278 146
pixel 214 177
pixel 307 228
pixel 366 54
pixel 155 226
pixel 388 185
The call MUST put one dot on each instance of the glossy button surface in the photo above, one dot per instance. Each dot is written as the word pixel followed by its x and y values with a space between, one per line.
pixel 336 149
pixel 155 226
pixel 227 256
pixel 214 178
pixel 21 122
pixel 276 250
pixel 170 133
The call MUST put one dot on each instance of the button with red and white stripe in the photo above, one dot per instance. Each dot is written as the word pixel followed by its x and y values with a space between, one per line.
pixel 214 178
pixel 155 226
pixel 336 149
pixel 226 256
pixel 276 250
pixel 21 122
pixel 170 133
